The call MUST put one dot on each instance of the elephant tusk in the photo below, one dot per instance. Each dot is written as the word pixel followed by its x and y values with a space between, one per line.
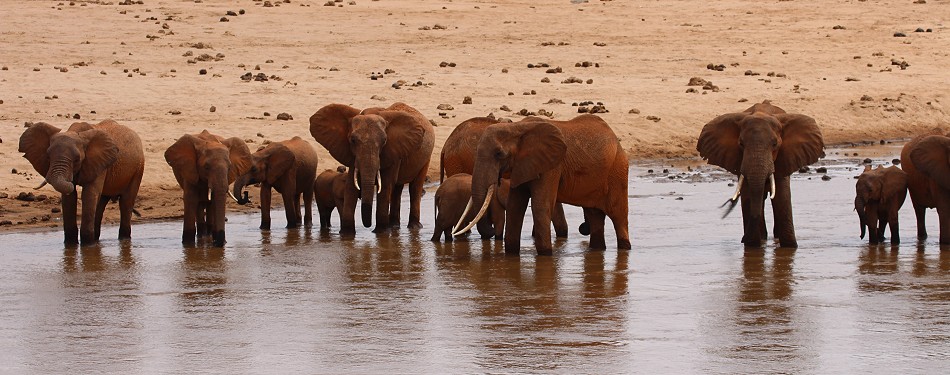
pixel 41 185
pixel 379 182
pixel 468 207
pixel 771 186
pixel 230 194
pixel 481 212
pixel 356 181
pixel 738 188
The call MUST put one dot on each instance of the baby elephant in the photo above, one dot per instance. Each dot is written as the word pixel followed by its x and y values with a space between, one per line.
pixel 328 191
pixel 450 200
pixel 880 195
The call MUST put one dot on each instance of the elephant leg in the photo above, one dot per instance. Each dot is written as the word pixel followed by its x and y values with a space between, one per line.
pixel 100 210
pixel 514 219
pixel 87 228
pixel 396 206
pixel 192 213
pixel 484 227
pixel 384 199
pixel 943 215
pixel 70 229
pixel 881 228
pixel 921 213
pixel 265 205
pixel 202 217
pixel 291 210
pixel 348 209
pixel 324 213
pixel 498 220
pixel 618 216
pixel 543 199
pixel 782 210
pixel 308 206
pixel 415 198
pixel 126 205
pixel 595 218
pixel 873 222
pixel 560 221
pixel 895 228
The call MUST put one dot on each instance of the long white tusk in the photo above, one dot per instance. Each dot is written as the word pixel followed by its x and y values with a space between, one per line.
pixel 771 186
pixel 481 212
pixel 468 207
pixel 41 185
pixel 738 188
pixel 379 182
pixel 230 194
pixel 356 181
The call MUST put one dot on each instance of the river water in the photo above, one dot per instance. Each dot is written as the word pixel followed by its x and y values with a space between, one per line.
pixel 687 299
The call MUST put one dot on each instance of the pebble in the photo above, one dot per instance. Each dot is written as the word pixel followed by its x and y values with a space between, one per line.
pixel 467 100
pixel 284 116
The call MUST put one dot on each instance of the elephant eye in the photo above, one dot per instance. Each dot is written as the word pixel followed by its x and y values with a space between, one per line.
pixel 499 154
pixel 352 140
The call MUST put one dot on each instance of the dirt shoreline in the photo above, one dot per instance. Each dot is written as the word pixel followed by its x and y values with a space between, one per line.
pixel 141 65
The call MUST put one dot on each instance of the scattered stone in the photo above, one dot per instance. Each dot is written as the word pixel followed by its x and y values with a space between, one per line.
pixel 653 118
pixel 838 27
pixel 866 98
pixel 225 19
pixel 26 197
pixel 851 79
pixel 467 100
pixel 4 223
pixel 803 169
pixel 590 81
pixel 554 70
pixel 377 97
pixel 900 63
pixel 231 13
pixel 899 35
pixel 554 101
pixel 826 178
pixel 266 114
pixel 504 108
pixel 546 113
pixel 634 111
pixel 821 170
pixel 445 107
pixel 526 112
pixel 919 30
pixel 55 210
pixel 696 81
pixel 716 67
pixel 573 80
pixel 504 70
pixel 284 116
pixel 867 160
pixel 751 73
pixel 545 80
pixel 600 44
pixel 896 161
pixel 174 112
pixel 212 109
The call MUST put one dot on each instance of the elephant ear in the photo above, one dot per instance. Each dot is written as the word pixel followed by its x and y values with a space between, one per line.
pixel 182 156
pixel 279 160
pixel 719 142
pixel 240 156
pixel 34 144
pixel 404 135
pixel 80 127
pixel 801 143
pixel 330 126
pixel 932 158
pixel 541 147
pixel 100 154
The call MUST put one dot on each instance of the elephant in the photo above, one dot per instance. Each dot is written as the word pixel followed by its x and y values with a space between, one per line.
pixel 328 191
pixel 289 167
pixel 385 148
pixel 458 156
pixel 578 162
pixel 879 195
pixel 763 145
pixel 926 159
pixel 451 198
pixel 106 159
pixel 206 162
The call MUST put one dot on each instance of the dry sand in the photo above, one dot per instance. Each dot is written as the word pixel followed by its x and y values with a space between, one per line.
pixel 129 63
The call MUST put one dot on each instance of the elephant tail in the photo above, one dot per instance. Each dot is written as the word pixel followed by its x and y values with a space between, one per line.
pixel 441 167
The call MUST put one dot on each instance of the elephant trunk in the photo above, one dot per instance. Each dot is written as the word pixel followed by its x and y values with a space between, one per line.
pixel 239 185
pixel 757 169
pixel 485 177
pixel 366 178
pixel 219 196
pixel 859 205
pixel 60 175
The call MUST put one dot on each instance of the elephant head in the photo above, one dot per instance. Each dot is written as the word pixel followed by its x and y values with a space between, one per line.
pixel 78 156
pixel 366 141
pixel 759 144
pixel 208 160
pixel 522 151
pixel 267 165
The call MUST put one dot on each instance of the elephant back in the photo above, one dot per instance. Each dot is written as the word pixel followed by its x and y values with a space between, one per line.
pixel 130 164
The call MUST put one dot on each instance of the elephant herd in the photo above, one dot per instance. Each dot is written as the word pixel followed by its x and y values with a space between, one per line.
pixel 489 171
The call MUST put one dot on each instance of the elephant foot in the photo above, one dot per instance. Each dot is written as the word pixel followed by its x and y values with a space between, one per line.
pixel 218 238
pixel 560 233
pixel 545 252
pixel 415 225
pixel 623 245
pixel 789 243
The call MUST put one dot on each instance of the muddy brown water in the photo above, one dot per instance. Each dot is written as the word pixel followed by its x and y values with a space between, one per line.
pixel 687 299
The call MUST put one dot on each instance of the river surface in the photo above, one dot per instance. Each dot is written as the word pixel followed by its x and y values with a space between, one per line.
pixel 687 299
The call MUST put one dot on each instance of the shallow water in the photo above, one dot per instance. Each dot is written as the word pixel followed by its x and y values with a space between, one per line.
pixel 687 299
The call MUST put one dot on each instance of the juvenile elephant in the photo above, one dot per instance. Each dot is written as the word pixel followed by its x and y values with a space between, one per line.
pixel 206 162
pixel 458 156
pixel 450 203
pixel 926 160
pixel 578 162
pixel 880 193
pixel 763 145
pixel 328 190
pixel 289 167
pixel 106 159
pixel 385 148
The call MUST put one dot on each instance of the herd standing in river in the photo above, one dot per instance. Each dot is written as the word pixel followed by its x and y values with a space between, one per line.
pixel 489 170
